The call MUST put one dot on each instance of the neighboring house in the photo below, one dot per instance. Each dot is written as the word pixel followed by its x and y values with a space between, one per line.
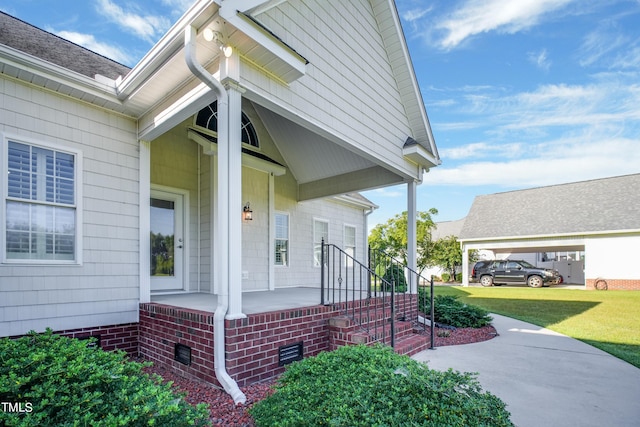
pixel 314 102
pixel 590 225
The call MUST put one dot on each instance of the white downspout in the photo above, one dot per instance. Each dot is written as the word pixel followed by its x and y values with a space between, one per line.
pixel 199 71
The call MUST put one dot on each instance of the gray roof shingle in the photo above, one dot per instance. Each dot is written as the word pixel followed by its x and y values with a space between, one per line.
pixel 598 205
pixel 49 47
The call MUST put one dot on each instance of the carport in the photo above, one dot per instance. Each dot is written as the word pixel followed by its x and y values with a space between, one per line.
pixel 599 217
pixel 572 270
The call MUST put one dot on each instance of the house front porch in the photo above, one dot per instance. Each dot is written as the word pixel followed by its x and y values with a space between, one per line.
pixel 280 326
pixel 252 302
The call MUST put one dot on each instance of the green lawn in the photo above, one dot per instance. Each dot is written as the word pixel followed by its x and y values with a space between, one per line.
pixel 608 320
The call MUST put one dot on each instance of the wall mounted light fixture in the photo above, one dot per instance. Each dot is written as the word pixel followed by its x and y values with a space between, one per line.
pixel 247 213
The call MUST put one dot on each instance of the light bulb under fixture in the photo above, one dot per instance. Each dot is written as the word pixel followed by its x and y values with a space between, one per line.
pixel 208 34
pixel 226 50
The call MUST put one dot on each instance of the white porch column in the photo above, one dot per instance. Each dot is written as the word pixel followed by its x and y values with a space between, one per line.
pixel 272 232
pixel 465 265
pixel 229 76
pixel 145 221
pixel 412 244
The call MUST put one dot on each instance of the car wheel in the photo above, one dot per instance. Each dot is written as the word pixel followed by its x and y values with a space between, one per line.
pixel 486 281
pixel 535 282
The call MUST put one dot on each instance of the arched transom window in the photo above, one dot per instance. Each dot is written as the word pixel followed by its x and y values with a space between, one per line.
pixel 208 119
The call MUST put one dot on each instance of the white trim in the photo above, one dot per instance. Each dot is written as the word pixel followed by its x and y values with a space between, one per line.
pixel 78 197
pixel 145 221
pixel 269 42
pixel 211 148
pixel 550 236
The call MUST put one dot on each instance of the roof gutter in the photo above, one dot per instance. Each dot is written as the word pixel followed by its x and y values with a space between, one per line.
pixel 219 331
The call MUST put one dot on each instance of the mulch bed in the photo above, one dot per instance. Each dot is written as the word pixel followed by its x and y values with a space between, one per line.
pixel 225 413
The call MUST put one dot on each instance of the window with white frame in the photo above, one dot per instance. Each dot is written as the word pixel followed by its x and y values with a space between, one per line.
pixel 40 203
pixel 350 244
pixel 320 232
pixel 282 239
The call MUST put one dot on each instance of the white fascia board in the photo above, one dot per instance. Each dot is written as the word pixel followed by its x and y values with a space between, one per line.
pixel 103 88
pixel 550 236
pixel 414 81
pixel 244 5
pixel 358 203
pixel 193 101
pixel 261 36
pixel 419 155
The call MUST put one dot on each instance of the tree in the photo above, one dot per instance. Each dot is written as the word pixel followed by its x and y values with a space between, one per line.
pixel 447 254
pixel 391 237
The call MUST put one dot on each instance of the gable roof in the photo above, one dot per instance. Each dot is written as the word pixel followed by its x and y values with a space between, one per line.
pixel 600 205
pixel 447 228
pixel 56 50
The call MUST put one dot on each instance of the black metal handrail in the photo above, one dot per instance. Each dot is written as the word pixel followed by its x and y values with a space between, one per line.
pixel 406 277
pixel 361 294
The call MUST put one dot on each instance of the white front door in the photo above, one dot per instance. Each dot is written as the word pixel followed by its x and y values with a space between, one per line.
pixel 167 241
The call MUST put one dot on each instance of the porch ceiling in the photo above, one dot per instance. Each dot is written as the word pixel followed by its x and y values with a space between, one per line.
pixel 321 166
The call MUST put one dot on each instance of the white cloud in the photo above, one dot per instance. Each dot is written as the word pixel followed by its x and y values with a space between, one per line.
pixel 563 160
pixel 89 41
pixel 146 27
pixel 540 59
pixel 479 150
pixel 505 16
pixel 598 44
pixel 415 14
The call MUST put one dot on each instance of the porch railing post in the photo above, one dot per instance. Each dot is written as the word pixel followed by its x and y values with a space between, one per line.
pixel 432 318
pixel 322 271
pixel 393 313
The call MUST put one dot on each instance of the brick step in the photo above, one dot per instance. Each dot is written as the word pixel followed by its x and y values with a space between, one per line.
pixel 411 344
pixel 382 333
pixel 347 324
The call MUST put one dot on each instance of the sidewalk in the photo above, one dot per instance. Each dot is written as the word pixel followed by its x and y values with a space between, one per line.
pixel 547 379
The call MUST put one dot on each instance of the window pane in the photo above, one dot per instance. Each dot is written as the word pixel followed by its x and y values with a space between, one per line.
pixel 20 182
pixel 349 236
pixel 281 252
pixel 40 232
pixel 282 226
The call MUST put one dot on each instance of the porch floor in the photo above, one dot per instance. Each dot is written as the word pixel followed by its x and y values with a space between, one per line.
pixel 252 302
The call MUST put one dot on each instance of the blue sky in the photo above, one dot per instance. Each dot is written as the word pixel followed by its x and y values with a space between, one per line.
pixel 519 93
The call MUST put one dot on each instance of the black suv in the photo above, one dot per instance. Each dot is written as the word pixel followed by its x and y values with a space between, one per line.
pixel 513 271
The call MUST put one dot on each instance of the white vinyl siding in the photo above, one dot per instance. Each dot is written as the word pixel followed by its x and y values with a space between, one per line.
pixel 282 239
pixel 40 203
pixel 320 233
pixel 346 103
pixel 101 285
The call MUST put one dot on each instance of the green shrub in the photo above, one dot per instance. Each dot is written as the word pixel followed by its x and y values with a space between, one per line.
pixel 458 277
pixel 66 382
pixel 450 311
pixel 372 386
pixel 446 277
pixel 395 273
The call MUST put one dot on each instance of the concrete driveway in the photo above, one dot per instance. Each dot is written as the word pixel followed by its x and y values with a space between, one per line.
pixel 547 379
